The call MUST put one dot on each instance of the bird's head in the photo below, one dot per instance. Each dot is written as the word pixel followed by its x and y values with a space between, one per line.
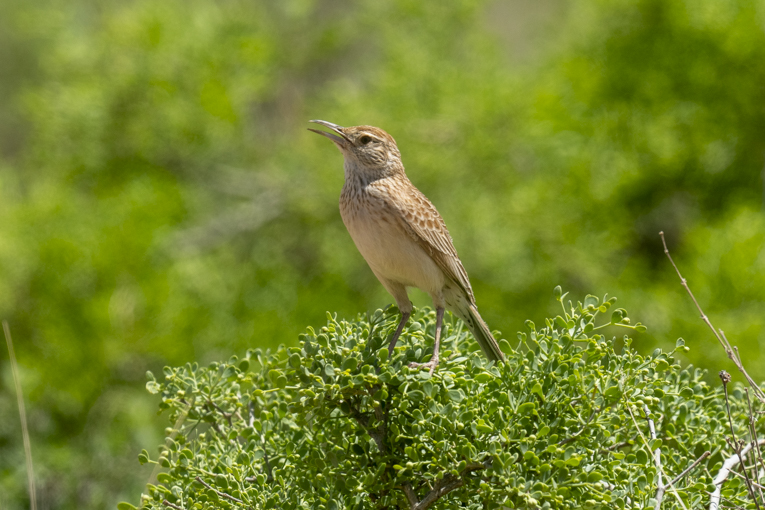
pixel 366 148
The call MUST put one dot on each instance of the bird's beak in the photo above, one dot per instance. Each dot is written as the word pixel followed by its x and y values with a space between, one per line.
pixel 341 140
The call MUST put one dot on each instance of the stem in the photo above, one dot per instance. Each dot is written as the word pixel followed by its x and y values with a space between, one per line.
pixel 23 418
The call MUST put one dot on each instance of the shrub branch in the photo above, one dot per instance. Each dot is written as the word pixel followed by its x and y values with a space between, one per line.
pixel 725 470
pixel 732 352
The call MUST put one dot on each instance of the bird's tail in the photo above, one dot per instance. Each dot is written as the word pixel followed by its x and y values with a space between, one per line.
pixel 470 316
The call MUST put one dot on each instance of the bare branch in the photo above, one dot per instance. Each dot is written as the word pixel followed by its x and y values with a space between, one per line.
pixel 732 352
pixel 753 439
pixel 662 488
pixel 411 496
pixel 448 484
pixel 219 493
pixel 722 475
pixel 167 503
pixel 725 377
pixel 690 468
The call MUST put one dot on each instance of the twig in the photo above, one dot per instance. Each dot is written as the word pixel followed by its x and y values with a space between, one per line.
pixel 657 460
pixel 730 463
pixel 658 465
pixel 23 418
pixel 725 378
pixel 582 429
pixel 690 468
pixel 732 352
pixel 742 477
pixel 448 484
pixel 754 438
pixel 219 493
pixel 167 503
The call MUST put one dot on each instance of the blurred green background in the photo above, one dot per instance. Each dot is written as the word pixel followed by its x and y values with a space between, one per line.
pixel 162 202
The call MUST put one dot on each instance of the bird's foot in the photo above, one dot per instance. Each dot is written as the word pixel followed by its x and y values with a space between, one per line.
pixel 430 365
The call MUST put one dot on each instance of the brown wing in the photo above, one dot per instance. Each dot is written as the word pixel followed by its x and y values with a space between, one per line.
pixel 421 220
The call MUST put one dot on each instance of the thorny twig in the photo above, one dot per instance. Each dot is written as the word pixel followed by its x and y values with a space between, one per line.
pixel 732 352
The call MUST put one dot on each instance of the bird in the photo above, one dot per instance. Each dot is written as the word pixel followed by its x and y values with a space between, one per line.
pixel 401 235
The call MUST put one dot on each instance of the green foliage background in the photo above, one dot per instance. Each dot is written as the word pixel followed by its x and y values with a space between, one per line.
pixel 161 201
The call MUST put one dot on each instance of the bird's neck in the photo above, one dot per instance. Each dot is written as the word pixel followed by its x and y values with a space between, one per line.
pixel 362 175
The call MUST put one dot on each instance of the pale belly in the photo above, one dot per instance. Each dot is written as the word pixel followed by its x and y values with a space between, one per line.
pixel 392 253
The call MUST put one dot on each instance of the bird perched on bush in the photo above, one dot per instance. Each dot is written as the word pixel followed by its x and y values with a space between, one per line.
pixel 401 235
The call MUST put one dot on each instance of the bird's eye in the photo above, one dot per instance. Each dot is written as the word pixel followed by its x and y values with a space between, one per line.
pixel 365 139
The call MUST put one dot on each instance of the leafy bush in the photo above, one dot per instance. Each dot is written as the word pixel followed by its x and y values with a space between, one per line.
pixel 336 423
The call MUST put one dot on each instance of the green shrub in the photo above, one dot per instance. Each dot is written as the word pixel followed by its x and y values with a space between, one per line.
pixel 336 423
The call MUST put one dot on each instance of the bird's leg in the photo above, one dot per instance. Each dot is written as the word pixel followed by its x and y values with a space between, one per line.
pixel 399 329
pixel 433 363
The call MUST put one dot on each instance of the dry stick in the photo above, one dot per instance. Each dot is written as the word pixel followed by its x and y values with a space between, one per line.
pixel 725 378
pixel 662 488
pixel 754 438
pixel 725 470
pixel 656 458
pixel 167 503
pixel 658 466
pixel 742 477
pixel 732 352
pixel 219 493
pixel 23 417
pixel 689 468
pixel 448 484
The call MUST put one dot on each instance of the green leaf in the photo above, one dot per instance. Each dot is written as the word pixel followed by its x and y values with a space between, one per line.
pixel 153 387
pixel 613 393
pixel 125 506
pixel 456 395
pixel 686 393
pixel 484 427
pixel 526 408
pixel 349 364
pixel 594 477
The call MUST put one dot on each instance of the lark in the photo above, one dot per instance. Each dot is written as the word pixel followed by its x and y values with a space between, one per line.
pixel 401 235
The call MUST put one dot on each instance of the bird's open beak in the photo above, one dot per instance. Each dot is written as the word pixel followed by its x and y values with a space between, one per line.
pixel 339 140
